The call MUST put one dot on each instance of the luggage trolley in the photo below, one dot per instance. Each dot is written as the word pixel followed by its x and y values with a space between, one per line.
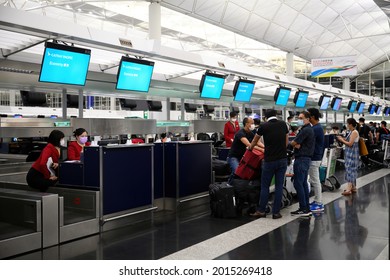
pixel 328 168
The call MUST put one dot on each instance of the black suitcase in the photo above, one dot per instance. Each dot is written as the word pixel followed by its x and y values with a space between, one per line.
pixel 222 200
pixel 221 170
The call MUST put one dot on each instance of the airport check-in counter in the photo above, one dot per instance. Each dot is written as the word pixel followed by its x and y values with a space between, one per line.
pixel 188 171
pixel 122 174
pixel 28 221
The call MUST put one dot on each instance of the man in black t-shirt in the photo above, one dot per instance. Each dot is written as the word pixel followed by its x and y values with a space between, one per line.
pixel 242 140
pixel 275 135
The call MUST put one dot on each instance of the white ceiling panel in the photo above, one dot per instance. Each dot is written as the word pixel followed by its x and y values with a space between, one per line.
pixel 301 24
pixel 186 5
pixel 313 9
pixel 341 6
pixel 291 40
pixel 234 11
pixel 212 10
pixel 285 16
pixel 257 26
pixel 327 17
pixel 275 34
pixel 248 4
pixel 296 4
pixel 267 9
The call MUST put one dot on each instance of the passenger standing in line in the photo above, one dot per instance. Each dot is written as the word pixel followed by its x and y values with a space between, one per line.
pixel 381 131
pixel 76 148
pixel 365 133
pixel 316 159
pixel 230 129
pixel 351 156
pixel 39 177
pixel 242 140
pixel 303 151
pixel 275 137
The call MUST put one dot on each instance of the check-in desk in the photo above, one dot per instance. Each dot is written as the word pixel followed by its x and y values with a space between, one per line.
pixel 188 172
pixel 28 221
pixel 121 174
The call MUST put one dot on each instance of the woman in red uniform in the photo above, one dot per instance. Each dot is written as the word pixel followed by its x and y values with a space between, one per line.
pixel 39 177
pixel 75 148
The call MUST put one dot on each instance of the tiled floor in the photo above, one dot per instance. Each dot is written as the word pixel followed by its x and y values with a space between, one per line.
pixel 356 227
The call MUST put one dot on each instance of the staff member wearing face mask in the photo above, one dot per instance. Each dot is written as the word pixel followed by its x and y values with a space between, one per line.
pixel 230 129
pixel 242 140
pixel 39 177
pixel 75 148
pixel 303 144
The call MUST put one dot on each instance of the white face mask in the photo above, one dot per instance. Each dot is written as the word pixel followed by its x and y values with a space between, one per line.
pixel 253 126
pixel 62 142
pixel 234 120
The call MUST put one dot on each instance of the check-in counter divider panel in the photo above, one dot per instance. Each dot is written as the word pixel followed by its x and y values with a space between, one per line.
pixel 127 181
pixel 188 170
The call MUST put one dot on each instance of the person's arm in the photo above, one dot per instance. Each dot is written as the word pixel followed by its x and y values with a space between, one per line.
pixel 245 141
pixel 254 142
pixel 286 140
pixel 377 136
pixel 352 138
pixel 42 163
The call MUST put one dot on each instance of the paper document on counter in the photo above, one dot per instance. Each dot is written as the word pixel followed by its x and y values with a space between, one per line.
pixel 49 165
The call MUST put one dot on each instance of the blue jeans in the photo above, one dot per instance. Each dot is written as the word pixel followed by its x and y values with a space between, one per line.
pixel 233 162
pixel 301 170
pixel 270 169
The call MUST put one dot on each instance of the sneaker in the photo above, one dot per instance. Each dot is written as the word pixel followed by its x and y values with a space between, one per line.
pixel 316 207
pixel 301 213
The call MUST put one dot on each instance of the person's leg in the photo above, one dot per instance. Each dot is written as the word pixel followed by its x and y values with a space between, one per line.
pixel 306 165
pixel 266 178
pixel 36 180
pixel 299 177
pixel 280 173
pixel 233 162
pixel 314 180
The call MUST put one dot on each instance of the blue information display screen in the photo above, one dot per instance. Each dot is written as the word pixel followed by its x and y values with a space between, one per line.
pixel 243 90
pixel 301 99
pixel 360 107
pixel 325 102
pixel 379 110
pixel 282 96
pixel 64 64
pixel 337 104
pixel 134 74
pixel 352 107
pixel 211 86
pixel 372 109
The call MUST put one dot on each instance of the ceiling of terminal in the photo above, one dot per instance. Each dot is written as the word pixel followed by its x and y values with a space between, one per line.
pixel 255 32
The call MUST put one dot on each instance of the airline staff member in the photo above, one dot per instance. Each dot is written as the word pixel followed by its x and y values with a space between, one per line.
pixel 39 177
pixel 75 148
pixel 230 129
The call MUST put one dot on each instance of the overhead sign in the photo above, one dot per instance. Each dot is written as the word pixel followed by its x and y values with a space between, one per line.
pixel 341 66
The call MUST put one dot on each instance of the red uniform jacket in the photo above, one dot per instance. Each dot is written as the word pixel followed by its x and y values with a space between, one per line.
pixel 229 131
pixel 40 164
pixel 74 150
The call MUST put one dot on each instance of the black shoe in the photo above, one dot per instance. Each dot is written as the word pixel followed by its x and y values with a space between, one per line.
pixel 258 214
pixel 276 216
pixel 301 213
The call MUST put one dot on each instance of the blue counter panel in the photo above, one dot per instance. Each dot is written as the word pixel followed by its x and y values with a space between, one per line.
pixel 127 178
pixel 91 167
pixel 71 173
pixel 158 170
pixel 187 168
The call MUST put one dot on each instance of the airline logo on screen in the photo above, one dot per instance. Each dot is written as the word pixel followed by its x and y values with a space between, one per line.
pixel 131 68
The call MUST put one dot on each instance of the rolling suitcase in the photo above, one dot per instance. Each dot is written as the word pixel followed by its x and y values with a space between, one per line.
pixel 222 200
pixel 249 166
pixel 221 170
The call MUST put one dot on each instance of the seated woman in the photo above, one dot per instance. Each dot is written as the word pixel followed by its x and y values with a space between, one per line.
pixel 75 148
pixel 41 175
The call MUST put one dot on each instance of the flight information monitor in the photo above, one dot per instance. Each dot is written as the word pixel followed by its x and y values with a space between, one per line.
pixel 324 102
pixel 211 85
pixel 134 74
pixel 243 90
pixel 300 98
pixel 64 64
pixel 281 95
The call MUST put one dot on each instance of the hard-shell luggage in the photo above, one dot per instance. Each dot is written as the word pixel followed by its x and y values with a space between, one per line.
pixel 249 166
pixel 222 200
pixel 221 170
